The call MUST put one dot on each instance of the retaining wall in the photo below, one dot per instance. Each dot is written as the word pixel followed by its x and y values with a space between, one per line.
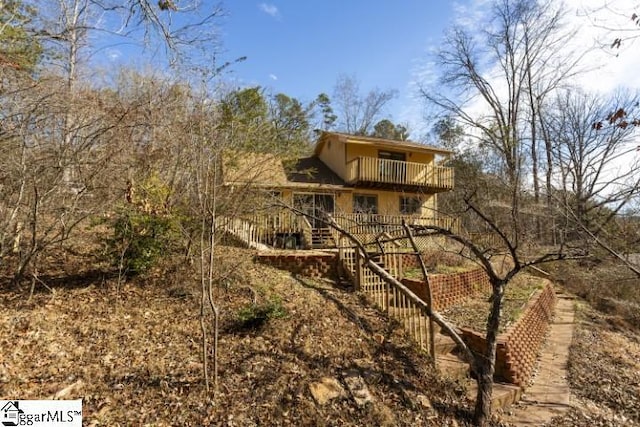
pixel 451 289
pixel 318 265
pixel 518 347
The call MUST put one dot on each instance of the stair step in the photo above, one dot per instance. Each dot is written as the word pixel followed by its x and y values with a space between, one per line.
pixel 322 238
pixel 444 344
pixel 451 366
pixel 503 394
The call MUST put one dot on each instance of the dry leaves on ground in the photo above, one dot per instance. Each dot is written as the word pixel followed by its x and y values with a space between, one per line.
pixel 133 354
pixel 604 372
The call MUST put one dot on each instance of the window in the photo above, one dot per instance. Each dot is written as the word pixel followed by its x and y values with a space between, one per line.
pixel 410 205
pixel 392 155
pixel 365 203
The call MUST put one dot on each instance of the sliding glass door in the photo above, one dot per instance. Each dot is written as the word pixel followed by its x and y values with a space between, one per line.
pixel 315 206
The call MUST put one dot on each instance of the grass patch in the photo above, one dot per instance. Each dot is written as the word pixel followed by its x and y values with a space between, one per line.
pixel 254 316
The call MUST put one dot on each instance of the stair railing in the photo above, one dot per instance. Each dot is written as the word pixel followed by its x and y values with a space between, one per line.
pixel 398 303
pixel 248 233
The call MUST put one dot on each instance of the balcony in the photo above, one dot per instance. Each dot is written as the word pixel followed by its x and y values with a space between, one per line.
pixel 395 174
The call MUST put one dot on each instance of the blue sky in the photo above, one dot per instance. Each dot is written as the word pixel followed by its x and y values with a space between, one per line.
pixel 301 47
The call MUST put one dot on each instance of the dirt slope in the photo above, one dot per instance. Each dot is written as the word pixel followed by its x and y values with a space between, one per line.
pixel 134 355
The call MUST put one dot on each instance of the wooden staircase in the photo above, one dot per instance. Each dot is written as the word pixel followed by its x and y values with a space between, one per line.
pixel 415 321
pixel 322 238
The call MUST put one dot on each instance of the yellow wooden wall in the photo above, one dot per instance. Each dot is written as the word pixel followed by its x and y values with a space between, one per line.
pixel 388 201
pixel 363 150
pixel 336 154
pixel 333 155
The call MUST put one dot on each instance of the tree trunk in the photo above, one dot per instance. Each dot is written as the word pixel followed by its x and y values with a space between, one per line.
pixel 483 408
pixel 486 366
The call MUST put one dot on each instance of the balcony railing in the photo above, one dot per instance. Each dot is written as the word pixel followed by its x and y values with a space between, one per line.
pixel 384 171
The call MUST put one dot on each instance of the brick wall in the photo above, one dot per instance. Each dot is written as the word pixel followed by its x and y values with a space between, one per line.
pixel 451 289
pixel 518 347
pixel 305 264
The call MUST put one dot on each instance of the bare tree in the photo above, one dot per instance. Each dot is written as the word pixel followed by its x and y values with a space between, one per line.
pixel 207 180
pixel 491 76
pixel 181 27
pixel 53 183
pixel 549 67
pixel 598 164
pixel 358 113
pixel 61 134
pixel 619 23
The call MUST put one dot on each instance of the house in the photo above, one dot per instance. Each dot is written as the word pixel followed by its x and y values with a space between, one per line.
pixel 9 413
pixel 366 184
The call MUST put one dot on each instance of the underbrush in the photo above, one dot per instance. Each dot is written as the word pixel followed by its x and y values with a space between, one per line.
pixel 253 316
pixel 603 365
pixel 607 285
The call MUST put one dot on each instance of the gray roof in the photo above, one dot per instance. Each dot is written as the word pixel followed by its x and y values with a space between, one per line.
pixel 311 170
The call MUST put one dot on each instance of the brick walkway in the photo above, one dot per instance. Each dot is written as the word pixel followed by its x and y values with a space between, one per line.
pixel 549 396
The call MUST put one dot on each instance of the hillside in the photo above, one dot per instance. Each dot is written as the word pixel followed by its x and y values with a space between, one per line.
pixel 133 355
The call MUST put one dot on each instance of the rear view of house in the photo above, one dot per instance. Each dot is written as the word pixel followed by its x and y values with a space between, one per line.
pixel 364 183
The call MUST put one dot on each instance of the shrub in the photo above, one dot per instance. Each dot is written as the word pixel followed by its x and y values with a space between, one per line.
pixel 139 241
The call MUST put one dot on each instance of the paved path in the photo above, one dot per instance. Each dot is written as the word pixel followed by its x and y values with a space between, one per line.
pixel 549 395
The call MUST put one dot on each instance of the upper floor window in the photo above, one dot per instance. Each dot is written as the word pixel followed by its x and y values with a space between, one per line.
pixel 410 205
pixel 392 155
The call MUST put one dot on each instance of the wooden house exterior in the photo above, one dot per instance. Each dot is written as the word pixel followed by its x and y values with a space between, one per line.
pixel 364 183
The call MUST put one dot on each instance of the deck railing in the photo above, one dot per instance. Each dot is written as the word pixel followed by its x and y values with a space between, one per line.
pixel 360 223
pixel 263 228
pixel 241 229
pixel 371 169
pixel 259 230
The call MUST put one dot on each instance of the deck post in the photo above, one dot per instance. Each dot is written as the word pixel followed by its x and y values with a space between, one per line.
pixel 359 265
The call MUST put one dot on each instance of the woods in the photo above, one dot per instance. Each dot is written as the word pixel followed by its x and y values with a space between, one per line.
pixel 130 160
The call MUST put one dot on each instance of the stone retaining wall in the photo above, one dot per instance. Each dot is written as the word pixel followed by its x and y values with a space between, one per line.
pixel 451 289
pixel 518 347
pixel 318 265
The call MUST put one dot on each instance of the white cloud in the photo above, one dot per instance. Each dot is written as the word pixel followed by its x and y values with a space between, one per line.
pixel 270 9
pixel 610 68
pixel 113 54
pixel 273 77
pixel 606 68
